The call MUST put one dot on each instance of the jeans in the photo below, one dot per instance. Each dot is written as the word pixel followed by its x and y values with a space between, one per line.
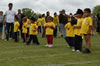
pixel 62 29
pixel 9 30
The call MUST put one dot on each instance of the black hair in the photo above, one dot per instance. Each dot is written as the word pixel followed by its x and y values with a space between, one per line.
pixel 73 21
pixel 33 18
pixel 88 10
pixel 16 17
pixel 79 11
pixel 10 4
pixel 55 13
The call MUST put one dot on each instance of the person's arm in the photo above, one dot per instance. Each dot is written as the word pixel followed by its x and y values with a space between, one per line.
pixel 4 19
pixel 90 29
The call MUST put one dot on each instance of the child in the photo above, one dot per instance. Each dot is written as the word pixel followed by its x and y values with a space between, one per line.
pixel 49 27
pixel 16 29
pixel 78 36
pixel 70 33
pixel 56 21
pixel 24 29
pixel 86 29
pixel 39 22
pixel 33 32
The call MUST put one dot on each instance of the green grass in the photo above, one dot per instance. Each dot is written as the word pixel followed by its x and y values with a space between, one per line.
pixel 18 54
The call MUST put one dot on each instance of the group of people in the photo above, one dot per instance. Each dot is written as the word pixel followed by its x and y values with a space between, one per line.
pixel 72 27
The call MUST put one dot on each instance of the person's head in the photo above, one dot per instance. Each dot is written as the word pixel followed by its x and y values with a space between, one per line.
pixel 39 16
pixel 43 15
pixel 24 19
pixel 55 14
pixel 87 12
pixel 1 12
pixel 79 13
pixel 10 5
pixel 63 11
pixel 33 19
pixel 99 12
pixel 49 19
pixel 16 18
pixel 48 13
pixel 19 11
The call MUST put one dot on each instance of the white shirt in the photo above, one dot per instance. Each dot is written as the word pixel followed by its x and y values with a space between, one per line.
pixel 10 14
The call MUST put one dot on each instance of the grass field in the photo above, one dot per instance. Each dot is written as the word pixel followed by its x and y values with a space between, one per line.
pixel 18 54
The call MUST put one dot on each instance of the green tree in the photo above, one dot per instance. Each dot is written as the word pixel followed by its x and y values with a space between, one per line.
pixel 29 12
pixel 96 9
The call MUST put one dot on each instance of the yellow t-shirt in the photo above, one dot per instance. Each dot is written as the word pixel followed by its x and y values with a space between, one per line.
pixel 55 20
pixel 43 20
pixel 87 22
pixel 24 27
pixel 70 30
pixel 79 23
pixel 33 27
pixel 16 26
pixel 28 22
pixel 39 21
pixel 49 31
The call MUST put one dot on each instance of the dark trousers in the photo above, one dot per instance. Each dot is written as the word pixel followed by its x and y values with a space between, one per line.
pixel 55 32
pixel 9 30
pixel 70 41
pixel 39 29
pixel 43 33
pixel 21 30
pixel 34 38
pixel 16 34
pixel 78 42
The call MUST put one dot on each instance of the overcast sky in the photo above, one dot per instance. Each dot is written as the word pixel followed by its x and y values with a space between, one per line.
pixel 42 6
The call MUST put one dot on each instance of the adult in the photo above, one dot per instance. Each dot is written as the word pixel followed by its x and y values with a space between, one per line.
pixel 63 19
pixel 98 23
pixel 20 17
pixel 9 21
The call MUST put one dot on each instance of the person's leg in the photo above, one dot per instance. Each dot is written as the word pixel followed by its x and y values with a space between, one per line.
pixel 43 34
pixel 76 42
pixel 7 31
pixel 88 44
pixel 15 36
pixel 36 40
pixel 12 30
pixel 51 39
pixel 80 43
pixel 61 29
pixel 25 38
pixel 48 39
pixel 55 32
pixel 30 38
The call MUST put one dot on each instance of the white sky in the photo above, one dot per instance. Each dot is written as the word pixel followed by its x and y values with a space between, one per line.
pixel 42 6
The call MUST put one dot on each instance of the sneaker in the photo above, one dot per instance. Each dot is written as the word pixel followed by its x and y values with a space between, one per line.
pixel 73 50
pixel 86 51
pixel 50 45
pixel 77 50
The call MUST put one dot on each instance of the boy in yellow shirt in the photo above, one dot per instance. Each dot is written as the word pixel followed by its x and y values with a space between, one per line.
pixel 70 33
pixel 56 21
pixel 33 32
pixel 24 29
pixel 16 29
pixel 49 28
pixel 86 29
pixel 78 36
pixel 39 22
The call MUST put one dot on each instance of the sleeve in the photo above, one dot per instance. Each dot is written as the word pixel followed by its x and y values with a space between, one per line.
pixel 66 25
pixel 90 22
